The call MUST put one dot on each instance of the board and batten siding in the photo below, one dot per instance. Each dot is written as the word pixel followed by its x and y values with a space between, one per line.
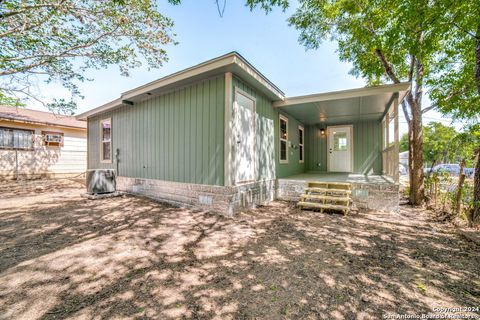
pixel 178 136
pixel 267 137
pixel 293 166
pixel 367 138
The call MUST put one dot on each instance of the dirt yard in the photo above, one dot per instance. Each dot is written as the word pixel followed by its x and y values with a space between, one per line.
pixel 62 256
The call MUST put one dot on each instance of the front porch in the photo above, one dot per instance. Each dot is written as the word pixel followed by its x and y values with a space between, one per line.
pixel 369 192
pixel 351 137
pixel 341 177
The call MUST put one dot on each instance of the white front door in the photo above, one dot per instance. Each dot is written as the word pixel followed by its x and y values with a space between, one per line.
pixel 244 135
pixel 340 148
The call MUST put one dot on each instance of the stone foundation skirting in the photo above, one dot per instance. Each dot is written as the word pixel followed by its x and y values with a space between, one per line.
pixel 226 200
pixel 365 196
pixel 374 196
pixel 229 200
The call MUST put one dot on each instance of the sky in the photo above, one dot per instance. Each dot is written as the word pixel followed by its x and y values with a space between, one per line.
pixel 265 40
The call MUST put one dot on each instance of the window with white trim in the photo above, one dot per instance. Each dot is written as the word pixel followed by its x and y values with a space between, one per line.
pixel 283 134
pixel 301 138
pixel 106 140
pixel 20 139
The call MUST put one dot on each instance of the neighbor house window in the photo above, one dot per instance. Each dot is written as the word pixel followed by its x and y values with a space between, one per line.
pixel 16 139
pixel 106 136
pixel 283 139
pixel 301 137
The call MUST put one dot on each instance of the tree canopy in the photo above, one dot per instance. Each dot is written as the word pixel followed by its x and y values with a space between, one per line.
pixel 57 40
pixel 455 78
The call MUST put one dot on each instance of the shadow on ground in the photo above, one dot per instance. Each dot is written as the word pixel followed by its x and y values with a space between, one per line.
pixel 66 257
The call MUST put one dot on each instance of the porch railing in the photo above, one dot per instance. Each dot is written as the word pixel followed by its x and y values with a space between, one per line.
pixel 390 162
pixel 390 140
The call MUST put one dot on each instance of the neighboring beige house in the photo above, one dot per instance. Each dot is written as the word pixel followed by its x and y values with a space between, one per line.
pixel 36 144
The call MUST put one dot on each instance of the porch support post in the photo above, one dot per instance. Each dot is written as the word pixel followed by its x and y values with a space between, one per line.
pixel 396 157
pixel 228 130
pixel 385 129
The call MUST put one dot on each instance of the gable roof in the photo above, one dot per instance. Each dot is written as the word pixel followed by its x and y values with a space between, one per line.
pixel 19 114
pixel 230 62
pixel 235 63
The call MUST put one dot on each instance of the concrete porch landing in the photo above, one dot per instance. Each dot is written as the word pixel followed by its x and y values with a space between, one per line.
pixel 340 177
pixel 369 192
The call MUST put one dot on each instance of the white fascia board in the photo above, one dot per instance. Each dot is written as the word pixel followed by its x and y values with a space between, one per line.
pixel 224 61
pixel 179 76
pixel 255 74
pixel 344 94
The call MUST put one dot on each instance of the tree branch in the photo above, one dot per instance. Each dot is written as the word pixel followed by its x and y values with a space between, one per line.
pixel 65 54
pixel 23 9
pixel 405 113
pixel 387 66
pixel 431 107
pixel 410 72
pixel 466 31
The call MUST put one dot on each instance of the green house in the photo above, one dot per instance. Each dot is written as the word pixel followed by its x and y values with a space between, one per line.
pixel 220 135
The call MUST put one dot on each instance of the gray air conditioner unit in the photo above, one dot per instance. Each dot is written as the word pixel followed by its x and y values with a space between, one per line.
pixel 101 181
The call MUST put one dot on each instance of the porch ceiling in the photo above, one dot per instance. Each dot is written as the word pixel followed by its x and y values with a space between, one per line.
pixel 343 106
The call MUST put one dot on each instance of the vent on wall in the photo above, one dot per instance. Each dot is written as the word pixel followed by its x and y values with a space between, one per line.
pixel 205 200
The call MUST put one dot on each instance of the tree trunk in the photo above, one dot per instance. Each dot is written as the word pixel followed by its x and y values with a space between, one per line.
pixel 477 54
pixel 417 191
pixel 415 138
pixel 476 191
pixel 410 156
pixel 461 180
pixel 476 179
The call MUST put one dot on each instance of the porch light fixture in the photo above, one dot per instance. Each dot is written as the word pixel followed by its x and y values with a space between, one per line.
pixel 322 132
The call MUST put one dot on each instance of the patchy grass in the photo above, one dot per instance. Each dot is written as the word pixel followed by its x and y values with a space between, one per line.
pixel 62 256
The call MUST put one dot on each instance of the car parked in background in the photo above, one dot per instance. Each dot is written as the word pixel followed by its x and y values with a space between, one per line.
pixel 451 168
pixel 469 172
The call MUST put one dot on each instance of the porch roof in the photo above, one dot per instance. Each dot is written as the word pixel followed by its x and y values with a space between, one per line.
pixel 344 106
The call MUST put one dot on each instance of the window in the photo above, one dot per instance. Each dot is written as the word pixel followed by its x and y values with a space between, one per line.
pixel 16 139
pixel 52 138
pixel 301 137
pixel 340 141
pixel 106 137
pixel 283 139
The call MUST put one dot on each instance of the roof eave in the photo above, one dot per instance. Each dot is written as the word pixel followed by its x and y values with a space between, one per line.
pixel 42 123
pixel 344 94
pixel 224 61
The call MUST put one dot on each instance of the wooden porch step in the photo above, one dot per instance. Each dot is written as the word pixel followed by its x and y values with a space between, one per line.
pixel 316 205
pixel 330 185
pixel 322 197
pixel 323 190
pixel 325 195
